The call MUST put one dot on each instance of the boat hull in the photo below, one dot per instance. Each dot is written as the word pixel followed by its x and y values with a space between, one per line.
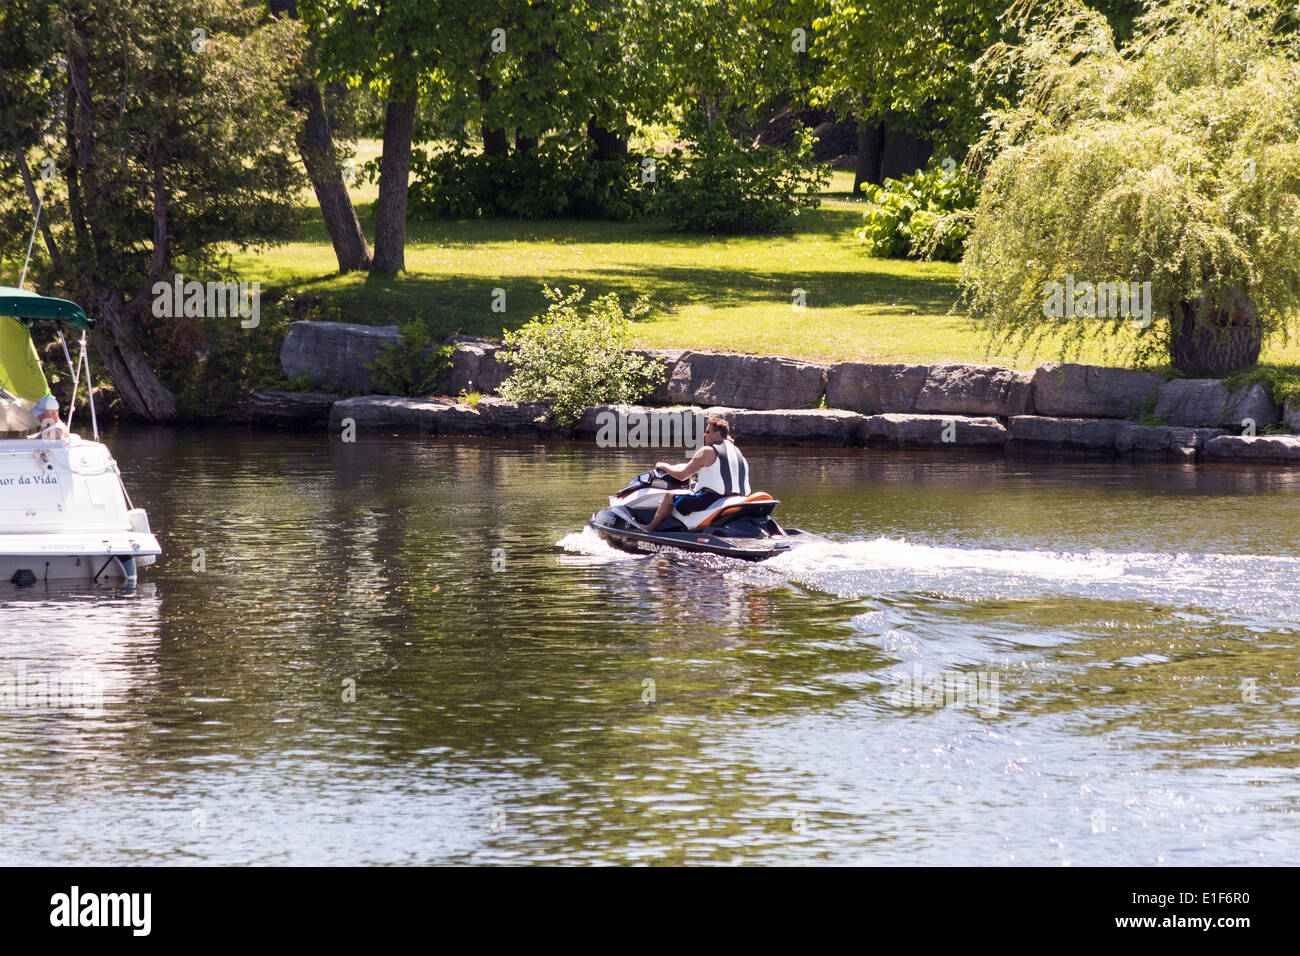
pixel 64 516
pixel 619 533
pixel 76 558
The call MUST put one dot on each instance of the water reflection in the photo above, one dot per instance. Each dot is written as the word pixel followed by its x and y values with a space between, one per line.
pixel 349 676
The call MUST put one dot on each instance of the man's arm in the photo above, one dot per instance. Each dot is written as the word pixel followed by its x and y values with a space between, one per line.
pixel 702 458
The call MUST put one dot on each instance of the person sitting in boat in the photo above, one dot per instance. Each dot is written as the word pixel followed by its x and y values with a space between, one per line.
pixel 719 469
pixel 51 428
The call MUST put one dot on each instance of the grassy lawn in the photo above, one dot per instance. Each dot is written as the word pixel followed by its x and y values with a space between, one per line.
pixel 726 292
pixel 708 292
pixel 723 292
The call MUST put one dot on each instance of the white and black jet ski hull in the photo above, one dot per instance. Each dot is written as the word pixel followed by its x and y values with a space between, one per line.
pixel 620 533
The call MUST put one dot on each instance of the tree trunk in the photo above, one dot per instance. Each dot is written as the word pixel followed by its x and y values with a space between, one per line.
pixel 316 144
pixel 525 144
pixel 133 377
pixel 320 158
pixel 902 154
pixel 609 145
pixel 871 143
pixel 495 141
pixel 394 173
pixel 1214 338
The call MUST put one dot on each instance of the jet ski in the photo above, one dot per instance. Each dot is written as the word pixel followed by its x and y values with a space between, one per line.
pixel 735 526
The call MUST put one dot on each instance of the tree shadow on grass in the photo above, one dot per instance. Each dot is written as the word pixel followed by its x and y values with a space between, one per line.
pixel 449 303
pixel 873 289
pixel 470 233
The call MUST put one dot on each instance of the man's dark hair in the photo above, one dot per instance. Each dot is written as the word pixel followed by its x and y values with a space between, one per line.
pixel 721 425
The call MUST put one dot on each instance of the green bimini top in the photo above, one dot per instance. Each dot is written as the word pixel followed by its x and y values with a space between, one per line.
pixel 28 307
pixel 20 368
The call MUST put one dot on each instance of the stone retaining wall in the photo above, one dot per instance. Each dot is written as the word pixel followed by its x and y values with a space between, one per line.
pixel 774 400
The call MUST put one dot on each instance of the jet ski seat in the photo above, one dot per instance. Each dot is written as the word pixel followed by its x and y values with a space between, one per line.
pixel 759 504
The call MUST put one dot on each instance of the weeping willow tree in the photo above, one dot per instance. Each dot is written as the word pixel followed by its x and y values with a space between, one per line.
pixel 1174 161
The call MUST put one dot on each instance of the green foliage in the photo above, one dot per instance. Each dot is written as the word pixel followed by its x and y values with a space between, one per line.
pixel 1175 160
pixel 302 382
pixel 210 126
pixel 1147 412
pixel 553 66
pixel 1281 381
pixel 416 367
pixel 926 215
pixel 178 147
pixel 725 187
pixel 554 179
pixel 727 64
pixel 575 357
pixel 911 64
pixel 214 364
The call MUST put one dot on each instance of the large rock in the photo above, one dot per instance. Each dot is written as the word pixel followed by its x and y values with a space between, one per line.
pixel 336 354
pixel 933 431
pixel 474 368
pixel 292 408
pixel 1163 441
pixel 1093 434
pixel 500 417
pixel 461 420
pixel 1282 449
pixel 1092 391
pixel 822 426
pixel 1206 402
pixel 976 390
pixel 669 358
pixel 1291 415
pixel 642 426
pixel 746 381
pixel 388 413
pixel 873 388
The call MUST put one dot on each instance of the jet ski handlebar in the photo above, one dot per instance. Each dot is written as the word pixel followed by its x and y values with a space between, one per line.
pixel 655 478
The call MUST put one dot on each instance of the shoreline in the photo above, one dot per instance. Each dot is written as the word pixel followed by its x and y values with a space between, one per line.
pixel 1094 411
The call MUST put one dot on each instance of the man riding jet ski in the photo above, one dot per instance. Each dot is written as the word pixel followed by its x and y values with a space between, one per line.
pixel 719 467
pixel 659 511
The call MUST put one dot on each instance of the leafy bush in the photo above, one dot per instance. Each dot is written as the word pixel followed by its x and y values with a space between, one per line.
pixel 415 367
pixel 1281 382
pixel 553 179
pixel 726 187
pixel 213 364
pixel 926 215
pixel 578 358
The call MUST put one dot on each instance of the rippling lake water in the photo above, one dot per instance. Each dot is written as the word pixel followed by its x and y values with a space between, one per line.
pixel 992 661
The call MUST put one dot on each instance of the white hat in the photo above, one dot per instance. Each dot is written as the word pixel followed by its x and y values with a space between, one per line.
pixel 47 403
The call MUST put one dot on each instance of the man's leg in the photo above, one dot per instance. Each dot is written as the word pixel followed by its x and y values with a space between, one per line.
pixel 662 512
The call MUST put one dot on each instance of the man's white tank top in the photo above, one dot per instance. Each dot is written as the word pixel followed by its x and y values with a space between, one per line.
pixel 729 473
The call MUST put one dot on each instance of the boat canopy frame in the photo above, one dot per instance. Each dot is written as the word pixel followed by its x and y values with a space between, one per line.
pixel 29 308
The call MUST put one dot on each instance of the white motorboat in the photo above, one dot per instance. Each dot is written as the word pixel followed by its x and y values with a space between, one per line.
pixel 65 515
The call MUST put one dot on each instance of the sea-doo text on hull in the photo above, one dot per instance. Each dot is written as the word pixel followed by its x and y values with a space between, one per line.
pixel 736 526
